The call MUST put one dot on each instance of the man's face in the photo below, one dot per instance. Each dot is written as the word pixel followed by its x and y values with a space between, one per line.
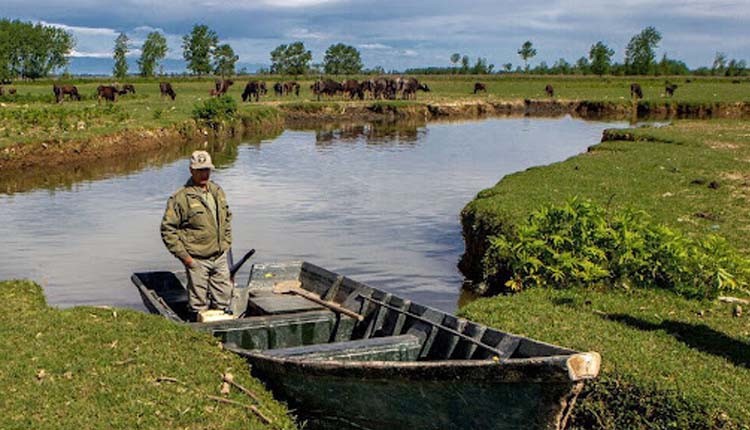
pixel 200 176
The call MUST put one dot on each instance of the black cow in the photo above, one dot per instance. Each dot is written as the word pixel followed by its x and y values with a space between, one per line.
pixel 327 87
pixel 107 92
pixel 550 90
pixel 353 88
pixel 669 89
pixel 478 86
pixel 253 88
pixel 410 87
pixel 384 88
pixel 61 90
pixel 636 91
pixel 278 89
pixel 222 86
pixel 367 86
pixel 165 88
pixel 127 89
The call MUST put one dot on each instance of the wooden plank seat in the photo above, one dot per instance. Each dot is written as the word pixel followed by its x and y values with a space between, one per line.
pixel 278 331
pixel 393 348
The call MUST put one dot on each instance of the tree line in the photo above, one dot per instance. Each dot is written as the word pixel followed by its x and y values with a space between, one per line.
pixel 33 51
pixel 639 59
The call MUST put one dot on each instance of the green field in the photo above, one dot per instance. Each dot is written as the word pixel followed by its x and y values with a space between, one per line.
pixel 32 115
pixel 96 368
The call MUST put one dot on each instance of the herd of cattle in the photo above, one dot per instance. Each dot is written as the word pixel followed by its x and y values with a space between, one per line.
pixel 378 88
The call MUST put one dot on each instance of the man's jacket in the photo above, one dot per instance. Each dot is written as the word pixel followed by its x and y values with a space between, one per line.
pixel 190 228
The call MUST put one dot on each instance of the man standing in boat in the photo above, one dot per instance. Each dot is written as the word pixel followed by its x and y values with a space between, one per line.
pixel 196 229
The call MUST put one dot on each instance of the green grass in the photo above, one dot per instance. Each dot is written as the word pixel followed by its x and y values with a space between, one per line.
pixel 95 368
pixel 667 362
pixel 146 109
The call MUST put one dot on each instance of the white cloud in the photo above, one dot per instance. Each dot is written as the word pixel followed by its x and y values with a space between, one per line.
pixel 373 46
pixel 81 54
pixel 303 33
pixel 409 53
pixel 85 31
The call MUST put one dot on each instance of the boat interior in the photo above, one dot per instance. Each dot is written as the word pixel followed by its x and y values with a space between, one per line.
pixel 374 325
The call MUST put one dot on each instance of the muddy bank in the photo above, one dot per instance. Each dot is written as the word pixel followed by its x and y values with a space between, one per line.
pixel 125 143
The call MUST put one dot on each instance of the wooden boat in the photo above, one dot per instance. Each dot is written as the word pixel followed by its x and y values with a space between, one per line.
pixel 402 366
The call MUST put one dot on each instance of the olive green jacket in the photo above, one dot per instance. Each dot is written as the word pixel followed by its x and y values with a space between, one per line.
pixel 188 227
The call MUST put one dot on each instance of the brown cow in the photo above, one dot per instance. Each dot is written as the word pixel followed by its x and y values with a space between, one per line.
pixel 107 92
pixel 61 90
pixel 636 91
pixel 289 87
pixel 550 90
pixel 326 86
pixel 165 88
pixel 478 86
pixel 222 86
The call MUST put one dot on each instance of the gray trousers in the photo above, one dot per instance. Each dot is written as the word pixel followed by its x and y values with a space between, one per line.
pixel 209 284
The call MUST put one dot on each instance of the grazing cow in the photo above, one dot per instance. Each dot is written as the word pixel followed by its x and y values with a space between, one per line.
pixel 9 91
pixel 127 89
pixel 383 88
pixel 736 81
pixel 353 88
pixel 367 86
pixel 165 88
pixel 222 86
pixel 410 87
pixel 253 88
pixel 636 91
pixel 478 86
pixel 278 89
pixel 61 90
pixel 107 92
pixel 289 87
pixel 669 89
pixel 327 87
pixel 550 90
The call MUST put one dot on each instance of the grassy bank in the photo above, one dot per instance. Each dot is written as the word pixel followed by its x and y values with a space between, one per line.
pixel 32 116
pixel 667 362
pixel 691 175
pixel 92 368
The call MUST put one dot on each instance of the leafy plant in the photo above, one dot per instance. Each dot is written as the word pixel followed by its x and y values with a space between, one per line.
pixel 581 244
pixel 215 110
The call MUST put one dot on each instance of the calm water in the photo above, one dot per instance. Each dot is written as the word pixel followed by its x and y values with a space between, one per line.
pixel 378 203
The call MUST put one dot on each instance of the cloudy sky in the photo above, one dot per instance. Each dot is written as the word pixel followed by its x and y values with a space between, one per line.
pixel 397 34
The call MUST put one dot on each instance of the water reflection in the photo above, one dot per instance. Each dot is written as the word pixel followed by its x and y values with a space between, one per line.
pixel 65 177
pixel 372 133
pixel 378 202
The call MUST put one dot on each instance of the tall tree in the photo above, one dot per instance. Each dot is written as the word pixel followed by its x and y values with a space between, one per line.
pixel 601 58
pixel 290 59
pixel 120 70
pixel 32 50
pixel 153 51
pixel 640 53
pixel 197 48
pixel 342 59
pixel 224 60
pixel 582 66
pixel 465 64
pixel 455 58
pixel 527 52
pixel 720 63
pixel 508 67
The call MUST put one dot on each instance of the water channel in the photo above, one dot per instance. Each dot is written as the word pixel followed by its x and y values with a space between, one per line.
pixel 379 203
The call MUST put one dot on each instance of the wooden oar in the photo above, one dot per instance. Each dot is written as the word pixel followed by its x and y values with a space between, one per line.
pixel 293 287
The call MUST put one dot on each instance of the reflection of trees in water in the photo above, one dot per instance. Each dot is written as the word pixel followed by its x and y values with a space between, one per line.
pixel 372 133
pixel 223 151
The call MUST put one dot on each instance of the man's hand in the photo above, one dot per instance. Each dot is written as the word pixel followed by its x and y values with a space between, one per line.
pixel 188 261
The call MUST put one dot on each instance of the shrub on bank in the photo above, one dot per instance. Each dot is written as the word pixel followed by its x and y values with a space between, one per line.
pixel 215 110
pixel 582 244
